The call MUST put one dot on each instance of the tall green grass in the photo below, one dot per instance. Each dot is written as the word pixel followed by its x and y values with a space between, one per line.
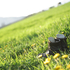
pixel 21 42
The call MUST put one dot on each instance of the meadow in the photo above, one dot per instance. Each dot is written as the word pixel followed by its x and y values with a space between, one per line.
pixel 21 42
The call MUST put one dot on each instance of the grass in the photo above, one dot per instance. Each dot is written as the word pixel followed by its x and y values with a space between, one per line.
pixel 21 42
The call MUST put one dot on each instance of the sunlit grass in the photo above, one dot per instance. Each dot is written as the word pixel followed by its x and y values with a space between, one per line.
pixel 20 43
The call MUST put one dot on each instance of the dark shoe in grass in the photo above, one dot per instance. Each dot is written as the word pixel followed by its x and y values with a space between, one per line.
pixel 63 41
pixel 54 46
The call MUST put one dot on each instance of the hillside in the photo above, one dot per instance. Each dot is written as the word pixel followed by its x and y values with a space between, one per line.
pixel 21 42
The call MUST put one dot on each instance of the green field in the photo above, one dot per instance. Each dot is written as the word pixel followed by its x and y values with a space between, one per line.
pixel 21 42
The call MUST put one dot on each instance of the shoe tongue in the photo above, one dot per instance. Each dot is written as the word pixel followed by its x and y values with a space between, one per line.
pixel 51 39
pixel 60 36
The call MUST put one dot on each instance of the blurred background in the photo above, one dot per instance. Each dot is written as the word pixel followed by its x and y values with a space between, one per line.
pixel 14 10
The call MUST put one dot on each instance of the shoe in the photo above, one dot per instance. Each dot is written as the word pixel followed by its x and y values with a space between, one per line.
pixel 54 46
pixel 63 41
